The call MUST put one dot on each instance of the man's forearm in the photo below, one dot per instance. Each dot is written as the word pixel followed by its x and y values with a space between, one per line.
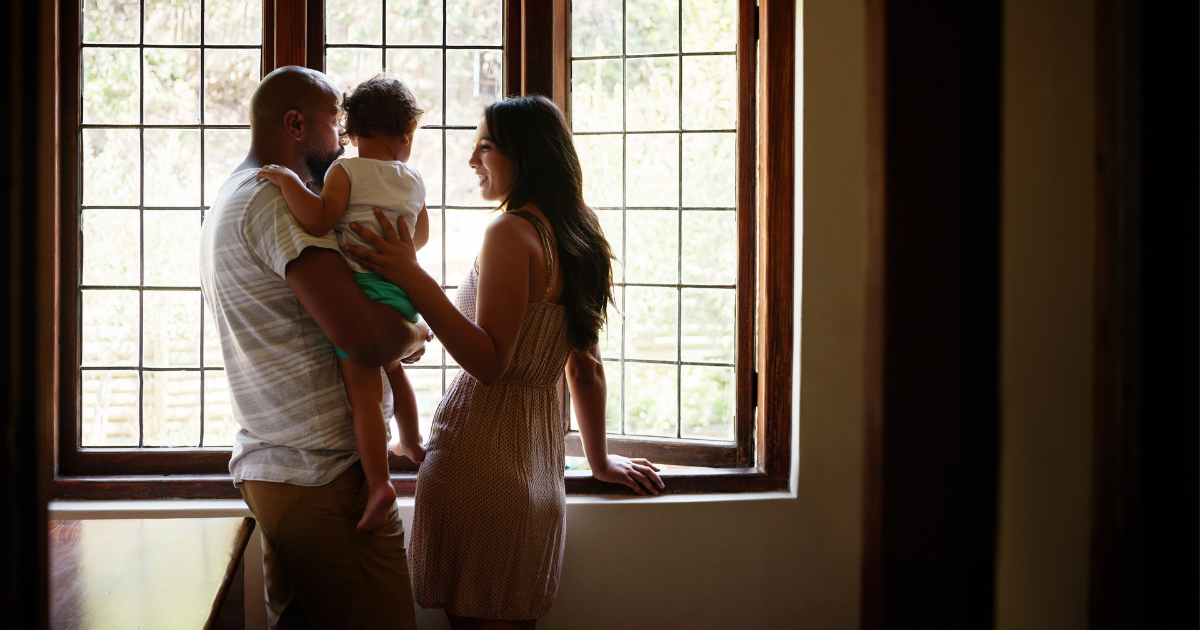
pixel 391 337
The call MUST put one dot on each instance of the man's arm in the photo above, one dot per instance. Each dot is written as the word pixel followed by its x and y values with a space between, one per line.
pixel 373 333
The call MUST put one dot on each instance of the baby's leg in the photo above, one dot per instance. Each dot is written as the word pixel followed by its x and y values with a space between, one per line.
pixel 365 389
pixel 406 414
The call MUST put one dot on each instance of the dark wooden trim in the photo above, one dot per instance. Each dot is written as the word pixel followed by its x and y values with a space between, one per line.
pixel 268 37
pixel 133 461
pixel 560 56
pixel 315 35
pixel 776 233
pixel 931 362
pixel 291 30
pixel 137 487
pixel 70 92
pixel 537 48
pixel 664 450
pixel 1116 354
pixel 241 539
pixel 747 226
pixel 874 317
pixel 512 47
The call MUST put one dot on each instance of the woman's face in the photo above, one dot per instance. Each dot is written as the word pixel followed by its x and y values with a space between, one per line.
pixel 495 170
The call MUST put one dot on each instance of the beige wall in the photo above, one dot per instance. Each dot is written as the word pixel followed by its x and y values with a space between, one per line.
pixel 1046 315
pixel 787 562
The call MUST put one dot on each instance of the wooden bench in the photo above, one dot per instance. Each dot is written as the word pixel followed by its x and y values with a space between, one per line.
pixel 148 573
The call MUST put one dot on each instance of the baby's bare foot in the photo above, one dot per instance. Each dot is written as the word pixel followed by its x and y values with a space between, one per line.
pixel 379 500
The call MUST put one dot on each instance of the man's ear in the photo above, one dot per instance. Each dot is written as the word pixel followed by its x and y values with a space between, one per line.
pixel 295 125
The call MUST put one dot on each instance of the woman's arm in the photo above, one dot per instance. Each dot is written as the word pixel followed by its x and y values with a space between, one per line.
pixel 484 347
pixel 589 393
pixel 317 214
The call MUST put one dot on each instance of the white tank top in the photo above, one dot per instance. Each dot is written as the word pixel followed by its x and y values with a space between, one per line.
pixel 394 187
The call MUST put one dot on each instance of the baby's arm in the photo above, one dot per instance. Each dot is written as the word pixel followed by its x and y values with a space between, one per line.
pixel 421 233
pixel 317 214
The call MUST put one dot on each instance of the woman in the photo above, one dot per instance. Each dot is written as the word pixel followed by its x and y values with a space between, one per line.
pixel 487 533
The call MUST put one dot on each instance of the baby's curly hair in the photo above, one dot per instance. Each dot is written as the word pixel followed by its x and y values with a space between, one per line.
pixel 380 106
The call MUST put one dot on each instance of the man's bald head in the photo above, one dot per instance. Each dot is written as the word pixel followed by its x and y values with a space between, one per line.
pixel 286 89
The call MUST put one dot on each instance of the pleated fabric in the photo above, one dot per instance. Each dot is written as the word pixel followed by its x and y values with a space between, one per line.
pixel 488 528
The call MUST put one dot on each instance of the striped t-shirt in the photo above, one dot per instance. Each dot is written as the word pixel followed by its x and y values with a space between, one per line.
pixel 286 389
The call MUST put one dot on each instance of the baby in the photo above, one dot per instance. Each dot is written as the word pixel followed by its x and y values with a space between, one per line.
pixel 381 117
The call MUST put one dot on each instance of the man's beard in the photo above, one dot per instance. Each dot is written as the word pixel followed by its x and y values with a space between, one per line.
pixel 318 164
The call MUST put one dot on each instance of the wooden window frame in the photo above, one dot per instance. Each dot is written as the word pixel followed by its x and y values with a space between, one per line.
pixel 536 40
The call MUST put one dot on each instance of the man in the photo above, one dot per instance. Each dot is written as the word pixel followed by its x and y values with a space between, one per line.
pixel 281 299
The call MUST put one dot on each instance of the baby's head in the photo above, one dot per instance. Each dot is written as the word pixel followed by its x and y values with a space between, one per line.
pixel 380 106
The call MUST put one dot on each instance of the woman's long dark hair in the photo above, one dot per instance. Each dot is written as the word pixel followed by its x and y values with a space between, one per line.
pixel 533 132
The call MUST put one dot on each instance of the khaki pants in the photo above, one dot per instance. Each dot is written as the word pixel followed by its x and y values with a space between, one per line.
pixel 319 571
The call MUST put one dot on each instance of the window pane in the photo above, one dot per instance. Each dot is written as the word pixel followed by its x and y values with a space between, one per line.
pixel 219 425
pixel 414 22
pixel 474 79
pixel 710 92
pixel 109 406
pixel 421 70
pixel 653 94
pixel 651 26
pixel 172 22
pixel 651 399
pixel 430 256
pixel 353 21
pixel 110 86
pixel 212 340
pixel 708 170
pixel 596 95
pixel 464 237
pixel 650 323
pixel 427 159
pixel 171 408
pixel 111 21
pixel 172 252
pixel 600 159
pixel 709 247
pixel 233 21
pixel 172 167
pixel 427 385
pixel 224 150
pixel 474 22
pixel 709 25
pixel 610 334
pixel 350 66
pixel 171 330
pixel 611 222
pixel 708 316
pixel 462 185
pixel 110 328
pixel 652 165
pixel 172 86
pixel 110 247
pixel 652 246
pixel 230 76
pixel 595 27
pixel 708 406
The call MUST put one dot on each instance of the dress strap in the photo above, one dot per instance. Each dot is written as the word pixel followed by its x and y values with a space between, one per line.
pixel 543 232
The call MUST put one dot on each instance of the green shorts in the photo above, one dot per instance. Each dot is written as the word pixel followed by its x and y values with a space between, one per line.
pixel 384 292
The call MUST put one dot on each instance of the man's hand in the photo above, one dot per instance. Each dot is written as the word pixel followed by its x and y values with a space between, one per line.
pixel 373 333
pixel 423 333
